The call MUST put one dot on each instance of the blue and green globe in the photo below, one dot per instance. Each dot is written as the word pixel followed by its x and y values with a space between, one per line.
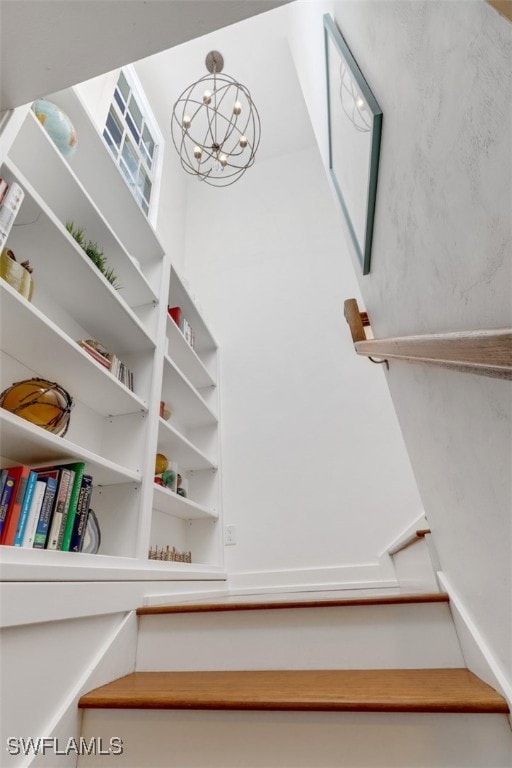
pixel 57 124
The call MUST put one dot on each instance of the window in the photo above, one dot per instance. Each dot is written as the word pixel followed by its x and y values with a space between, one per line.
pixel 133 137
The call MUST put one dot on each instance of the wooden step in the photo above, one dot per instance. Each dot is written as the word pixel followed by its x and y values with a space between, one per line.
pixel 252 604
pixel 383 690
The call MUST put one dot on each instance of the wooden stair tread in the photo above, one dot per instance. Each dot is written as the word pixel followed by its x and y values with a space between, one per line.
pixel 382 690
pixel 269 604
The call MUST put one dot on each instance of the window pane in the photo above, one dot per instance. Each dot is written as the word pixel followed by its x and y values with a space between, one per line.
pixel 148 141
pixel 123 86
pixel 126 174
pixel 145 156
pixel 132 128
pixel 130 157
pixel 144 184
pixel 114 127
pixel 145 207
pixel 110 142
pixel 119 100
pixel 136 113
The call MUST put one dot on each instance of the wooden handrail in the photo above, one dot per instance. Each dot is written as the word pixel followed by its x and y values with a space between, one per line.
pixel 488 353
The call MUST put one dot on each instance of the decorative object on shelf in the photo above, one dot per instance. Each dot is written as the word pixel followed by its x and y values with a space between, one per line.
pixel 182 487
pixel 169 555
pixel 165 411
pixel 170 478
pixel 161 463
pixel 44 403
pixel 94 252
pixel 183 325
pixel 92 537
pixel 19 276
pixel 216 126
pixel 355 126
pixel 57 125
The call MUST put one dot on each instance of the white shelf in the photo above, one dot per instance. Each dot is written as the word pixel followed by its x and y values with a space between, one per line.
pixel 37 157
pixel 18 564
pixel 25 443
pixel 186 358
pixel 174 445
pixel 171 504
pixel 28 336
pixel 63 270
pixel 179 297
pixel 183 399
pixel 97 171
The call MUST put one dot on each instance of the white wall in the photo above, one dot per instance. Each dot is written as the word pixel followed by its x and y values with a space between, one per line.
pixel 441 260
pixel 315 473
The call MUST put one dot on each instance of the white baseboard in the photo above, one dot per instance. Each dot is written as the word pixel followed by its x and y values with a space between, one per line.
pixel 478 656
pixel 363 576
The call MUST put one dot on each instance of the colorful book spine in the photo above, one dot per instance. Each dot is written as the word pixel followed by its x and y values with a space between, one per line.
pixel 59 509
pixel 105 362
pixel 5 500
pixel 33 515
pixel 43 524
pixel 3 479
pixel 25 509
pixel 78 468
pixel 20 476
pixel 84 503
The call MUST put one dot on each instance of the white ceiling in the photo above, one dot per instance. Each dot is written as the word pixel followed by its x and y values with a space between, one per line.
pixel 47 45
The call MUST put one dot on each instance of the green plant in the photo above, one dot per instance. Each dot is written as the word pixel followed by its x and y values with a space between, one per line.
pixel 94 252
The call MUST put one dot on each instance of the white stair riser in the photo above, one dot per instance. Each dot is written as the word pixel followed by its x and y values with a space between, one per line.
pixel 196 739
pixel 396 636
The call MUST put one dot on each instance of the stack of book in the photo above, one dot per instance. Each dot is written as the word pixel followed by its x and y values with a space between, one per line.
pixel 183 325
pixel 11 198
pixel 45 508
pixel 109 361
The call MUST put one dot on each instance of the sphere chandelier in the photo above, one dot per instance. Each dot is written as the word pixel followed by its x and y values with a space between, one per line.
pixel 215 126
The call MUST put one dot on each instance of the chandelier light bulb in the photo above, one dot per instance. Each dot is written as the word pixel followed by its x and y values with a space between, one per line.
pixel 359 102
pixel 215 126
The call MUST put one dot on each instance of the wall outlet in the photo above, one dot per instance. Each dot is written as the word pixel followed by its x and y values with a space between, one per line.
pixel 229 535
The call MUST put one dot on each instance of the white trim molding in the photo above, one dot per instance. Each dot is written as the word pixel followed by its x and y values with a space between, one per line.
pixel 478 655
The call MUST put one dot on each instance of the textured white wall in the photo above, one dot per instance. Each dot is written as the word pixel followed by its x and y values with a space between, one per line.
pixel 441 259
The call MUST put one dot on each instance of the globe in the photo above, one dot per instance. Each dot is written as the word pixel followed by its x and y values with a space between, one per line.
pixel 57 124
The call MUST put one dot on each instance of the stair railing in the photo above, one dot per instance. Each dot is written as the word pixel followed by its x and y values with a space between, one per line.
pixel 488 353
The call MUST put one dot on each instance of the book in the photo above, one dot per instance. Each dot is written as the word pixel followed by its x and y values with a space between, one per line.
pixel 78 468
pixel 33 515
pixel 3 480
pixel 101 359
pixel 50 480
pixel 84 503
pixel 3 189
pixel 5 499
pixel 9 210
pixel 25 508
pixel 60 508
pixel 20 476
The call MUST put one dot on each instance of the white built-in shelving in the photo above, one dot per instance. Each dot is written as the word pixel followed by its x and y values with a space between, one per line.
pixel 115 431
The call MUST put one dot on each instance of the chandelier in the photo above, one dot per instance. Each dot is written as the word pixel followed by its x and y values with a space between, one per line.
pixel 215 126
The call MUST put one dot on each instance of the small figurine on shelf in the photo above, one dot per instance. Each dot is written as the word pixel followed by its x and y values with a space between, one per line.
pixel 165 411
pixel 169 555
pixel 181 489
